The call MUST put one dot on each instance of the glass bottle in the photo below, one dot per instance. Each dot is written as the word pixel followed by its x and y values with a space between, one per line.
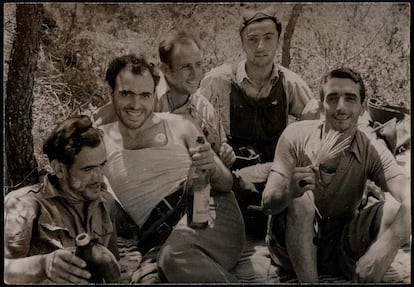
pixel 84 250
pixel 198 196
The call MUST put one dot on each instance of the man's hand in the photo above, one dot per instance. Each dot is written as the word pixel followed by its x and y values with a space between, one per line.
pixel 302 180
pixel 227 155
pixel 203 158
pixel 63 266
pixel 371 267
pixel 146 271
pixel 253 174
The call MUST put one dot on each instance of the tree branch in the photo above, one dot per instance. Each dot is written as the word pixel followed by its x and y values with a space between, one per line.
pixel 287 37
pixel 366 46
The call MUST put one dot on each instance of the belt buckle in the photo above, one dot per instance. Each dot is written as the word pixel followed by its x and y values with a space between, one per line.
pixel 163 228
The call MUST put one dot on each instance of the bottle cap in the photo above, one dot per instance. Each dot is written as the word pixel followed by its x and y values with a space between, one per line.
pixel 82 239
pixel 200 140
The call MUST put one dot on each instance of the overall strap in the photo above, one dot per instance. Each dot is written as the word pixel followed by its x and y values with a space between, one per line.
pixel 258 123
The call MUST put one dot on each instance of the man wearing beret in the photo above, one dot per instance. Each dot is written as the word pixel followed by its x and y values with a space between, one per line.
pixel 254 98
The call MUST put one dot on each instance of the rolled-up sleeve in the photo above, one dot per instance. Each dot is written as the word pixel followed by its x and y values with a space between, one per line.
pixel 19 215
pixel 302 103
pixel 216 89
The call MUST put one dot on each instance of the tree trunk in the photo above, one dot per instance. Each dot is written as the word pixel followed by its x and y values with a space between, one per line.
pixel 287 38
pixel 21 163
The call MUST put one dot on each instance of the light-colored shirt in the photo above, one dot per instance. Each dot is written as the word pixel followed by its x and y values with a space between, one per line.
pixel 197 108
pixel 365 159
pixel 141 178
pixel 216 87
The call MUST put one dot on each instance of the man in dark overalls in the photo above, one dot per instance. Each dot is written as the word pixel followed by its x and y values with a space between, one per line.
pixel 254 99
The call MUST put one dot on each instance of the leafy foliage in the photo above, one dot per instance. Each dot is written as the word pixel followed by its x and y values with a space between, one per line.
pixel 372 38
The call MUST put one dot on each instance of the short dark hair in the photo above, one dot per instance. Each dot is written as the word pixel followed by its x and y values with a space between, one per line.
pixel 343 73
pixel 136 64
pixel 69 137
pixel 174 37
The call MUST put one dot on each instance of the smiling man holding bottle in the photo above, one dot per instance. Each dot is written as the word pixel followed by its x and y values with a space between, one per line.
pixel 149 157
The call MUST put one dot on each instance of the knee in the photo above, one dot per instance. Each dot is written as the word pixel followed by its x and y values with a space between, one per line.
pixel 301 209
pixel 172 258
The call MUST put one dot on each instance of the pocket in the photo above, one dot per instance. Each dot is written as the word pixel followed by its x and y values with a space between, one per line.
pixel 103 232
pixel 55 235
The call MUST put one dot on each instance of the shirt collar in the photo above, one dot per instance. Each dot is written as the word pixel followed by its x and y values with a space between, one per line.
pixel 161 91
pixel 241 73
pixel 356 146
pixel 50 191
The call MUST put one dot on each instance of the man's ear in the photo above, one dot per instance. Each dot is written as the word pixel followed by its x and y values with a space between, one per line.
pixel 58 168
pixel 363 104
pixel 321 108
pixel 278 45
pixel 165 68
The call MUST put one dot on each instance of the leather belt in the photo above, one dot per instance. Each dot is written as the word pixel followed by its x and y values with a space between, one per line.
pixel 161 221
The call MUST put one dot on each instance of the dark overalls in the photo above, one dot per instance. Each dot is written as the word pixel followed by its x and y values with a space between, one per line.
pixel 255 128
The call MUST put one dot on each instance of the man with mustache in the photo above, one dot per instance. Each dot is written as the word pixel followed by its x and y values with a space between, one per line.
pixel 319 227
pixel 254 99
pixel 42 221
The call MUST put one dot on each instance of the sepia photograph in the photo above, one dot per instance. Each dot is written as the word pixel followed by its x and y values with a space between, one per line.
pixel 207 143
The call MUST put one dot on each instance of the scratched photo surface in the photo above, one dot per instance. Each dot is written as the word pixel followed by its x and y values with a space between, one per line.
pixel 67 58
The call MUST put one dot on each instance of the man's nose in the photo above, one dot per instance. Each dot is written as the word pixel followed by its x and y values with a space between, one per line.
pixel 96 173
pixel 261 44
pixel 341 104
pixel 195 72
pixel 136 101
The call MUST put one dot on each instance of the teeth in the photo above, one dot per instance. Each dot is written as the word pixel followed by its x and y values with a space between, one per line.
pixel 134 113
pixel 342 118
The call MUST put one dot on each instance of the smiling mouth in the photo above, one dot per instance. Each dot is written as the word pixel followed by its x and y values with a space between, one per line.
pixel 342 118
pixel 133 113
pixel 95 186
pixel 193 84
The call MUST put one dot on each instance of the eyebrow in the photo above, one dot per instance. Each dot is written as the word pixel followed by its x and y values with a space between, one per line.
pixel 90 166
pixel 124 91
pixel 145 94
pixel 255 34
pixel 346 94
pixel 131 92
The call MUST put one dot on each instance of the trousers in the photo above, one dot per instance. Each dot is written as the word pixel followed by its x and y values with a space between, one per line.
pixel 205 255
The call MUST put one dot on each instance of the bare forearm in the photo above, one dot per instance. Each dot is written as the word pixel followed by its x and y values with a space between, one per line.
pixel 25 270
pixel 399 232
pixel 276 196
pixel 372 266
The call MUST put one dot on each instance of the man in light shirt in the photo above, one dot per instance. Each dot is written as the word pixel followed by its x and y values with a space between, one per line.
pixel 180 54
pixel 317 225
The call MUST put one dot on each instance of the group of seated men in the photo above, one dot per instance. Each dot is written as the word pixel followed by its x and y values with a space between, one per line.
pixel 123 171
